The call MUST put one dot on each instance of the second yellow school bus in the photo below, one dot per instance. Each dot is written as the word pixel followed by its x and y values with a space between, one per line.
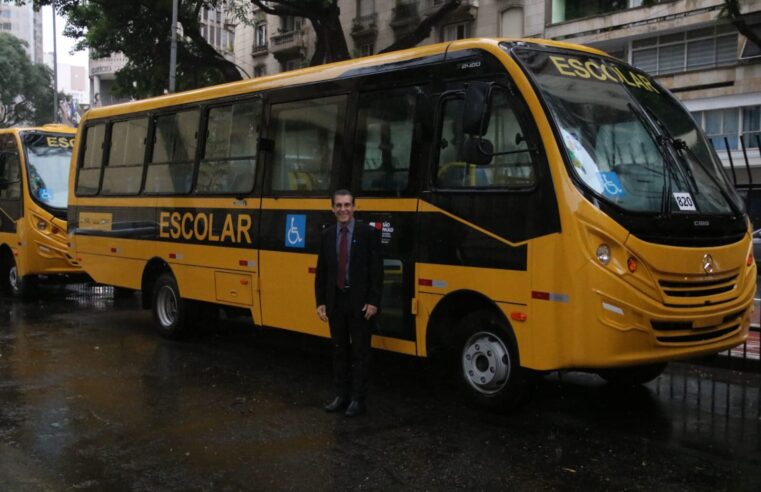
pixel 542 206
pixel 34 187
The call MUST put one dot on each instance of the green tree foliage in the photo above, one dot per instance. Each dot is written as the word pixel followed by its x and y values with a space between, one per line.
pixel 140 29
pixel 26 88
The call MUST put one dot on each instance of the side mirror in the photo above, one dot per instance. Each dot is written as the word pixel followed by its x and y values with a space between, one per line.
pixel 478 151
pixel 475 115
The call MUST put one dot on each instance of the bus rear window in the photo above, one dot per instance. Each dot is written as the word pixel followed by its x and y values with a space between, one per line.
pixel 88 177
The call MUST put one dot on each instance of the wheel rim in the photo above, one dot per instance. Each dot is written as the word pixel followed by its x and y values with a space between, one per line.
pixel 485 363
pixel 13 279
pixel 166 306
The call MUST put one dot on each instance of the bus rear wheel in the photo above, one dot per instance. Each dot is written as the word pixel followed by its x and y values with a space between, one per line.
pixel 632 376
pixel 487 362
pixel 173 315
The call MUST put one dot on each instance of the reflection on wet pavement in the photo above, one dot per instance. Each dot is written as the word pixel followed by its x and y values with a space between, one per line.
pixel 93 399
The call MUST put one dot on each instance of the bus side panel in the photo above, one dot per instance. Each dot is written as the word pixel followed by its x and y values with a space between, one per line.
pixel 287 290
pixel 510 290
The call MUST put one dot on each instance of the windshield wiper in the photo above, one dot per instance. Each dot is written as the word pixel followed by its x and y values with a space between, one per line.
pixel 660 140
pixel 686 153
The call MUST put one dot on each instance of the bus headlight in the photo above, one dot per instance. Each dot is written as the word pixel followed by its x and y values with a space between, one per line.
pixel 42 225
pixel 603 254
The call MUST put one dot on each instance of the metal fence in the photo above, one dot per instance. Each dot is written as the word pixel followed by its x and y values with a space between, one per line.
pixel 745 356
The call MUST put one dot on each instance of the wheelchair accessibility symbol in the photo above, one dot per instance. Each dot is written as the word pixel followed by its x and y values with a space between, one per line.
pixel 295 231
pixel 611 185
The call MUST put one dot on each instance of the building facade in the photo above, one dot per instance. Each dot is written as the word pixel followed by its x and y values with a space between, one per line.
pixel 692 51
pixel 26 24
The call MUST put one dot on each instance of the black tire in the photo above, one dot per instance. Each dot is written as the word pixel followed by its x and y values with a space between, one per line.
pixel 174 316
pixel 13 284
pixel 633 375
pixel 487 362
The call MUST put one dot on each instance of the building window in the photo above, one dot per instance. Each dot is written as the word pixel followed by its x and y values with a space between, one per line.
pixel 260 35
pixel 691 50
pixel 732 124
pixel 366 49
pixel 453 32
pixel 365 7
pixel 289 23
pixel 511 23
pixel 260 71
pixel 567 10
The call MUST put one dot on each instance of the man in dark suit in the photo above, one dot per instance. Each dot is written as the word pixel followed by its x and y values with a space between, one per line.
pixel 347 288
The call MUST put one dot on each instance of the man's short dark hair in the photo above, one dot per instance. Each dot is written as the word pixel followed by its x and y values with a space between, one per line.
pixel 341 192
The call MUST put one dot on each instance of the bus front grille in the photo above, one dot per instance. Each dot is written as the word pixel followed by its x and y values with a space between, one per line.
pixel 698 337
pixel 687 331
pixel 684 292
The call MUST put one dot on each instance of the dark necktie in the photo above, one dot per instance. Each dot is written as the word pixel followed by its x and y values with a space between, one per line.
pixel 343 257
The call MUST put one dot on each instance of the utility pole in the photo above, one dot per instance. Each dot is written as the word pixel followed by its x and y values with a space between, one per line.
pixel 173 52
pixel 55 70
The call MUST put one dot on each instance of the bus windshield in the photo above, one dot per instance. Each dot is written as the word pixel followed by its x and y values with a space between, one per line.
pixel 47 167
pixel 627 140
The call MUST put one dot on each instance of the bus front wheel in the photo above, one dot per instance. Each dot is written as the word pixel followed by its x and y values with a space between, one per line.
pixel 173 315
pixel 487 361
pixel 13 282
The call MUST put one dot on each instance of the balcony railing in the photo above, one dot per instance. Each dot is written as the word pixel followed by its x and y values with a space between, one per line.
pixel 365 22
pixel 260 49
pixel 287 44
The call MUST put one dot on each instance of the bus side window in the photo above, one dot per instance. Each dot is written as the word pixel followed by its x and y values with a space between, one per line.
pixel 170 170
pixel 305 134
pixel 123 173
pixel 10 170
pixel 229 161
pixel 88 177
pixel 513 170
pixel 386 124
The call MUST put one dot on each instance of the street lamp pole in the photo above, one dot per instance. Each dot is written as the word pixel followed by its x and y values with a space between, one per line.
pixel 173 52
pixel 55 70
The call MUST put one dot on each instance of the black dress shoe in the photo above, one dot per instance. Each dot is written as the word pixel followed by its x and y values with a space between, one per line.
pixel 338 403
pixel 355 408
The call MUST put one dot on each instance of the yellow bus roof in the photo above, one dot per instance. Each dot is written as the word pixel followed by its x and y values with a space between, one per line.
pixel 50 127
pixel 318 73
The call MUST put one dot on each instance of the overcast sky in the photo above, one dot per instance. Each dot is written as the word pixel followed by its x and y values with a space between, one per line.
pixel 64 44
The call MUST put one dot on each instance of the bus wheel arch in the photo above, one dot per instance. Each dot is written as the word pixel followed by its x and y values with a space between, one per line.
pixel 174 316
pixel 152 271
pixel 483 351
pixel 11 281
pixel 446 316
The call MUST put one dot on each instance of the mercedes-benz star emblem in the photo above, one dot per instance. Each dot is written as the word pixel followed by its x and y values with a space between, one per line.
pixel 708 263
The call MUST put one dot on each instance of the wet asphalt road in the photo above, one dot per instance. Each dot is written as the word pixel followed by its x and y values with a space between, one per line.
pixel 92 399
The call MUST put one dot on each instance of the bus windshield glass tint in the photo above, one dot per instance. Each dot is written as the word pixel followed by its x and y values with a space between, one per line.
pixel 627 140
pixel 48 158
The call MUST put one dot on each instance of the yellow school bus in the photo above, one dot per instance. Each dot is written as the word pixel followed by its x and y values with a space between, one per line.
pixel 34 174
pixel 541 205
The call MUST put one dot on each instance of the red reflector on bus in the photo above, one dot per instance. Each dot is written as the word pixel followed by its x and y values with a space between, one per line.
pixel 113 250
pixel 544 296
pixel 518 316
pixel 172 256
pixel 243 262
pixel 312 269
pixel 749 262
pixel 243 281
pixel 425 281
